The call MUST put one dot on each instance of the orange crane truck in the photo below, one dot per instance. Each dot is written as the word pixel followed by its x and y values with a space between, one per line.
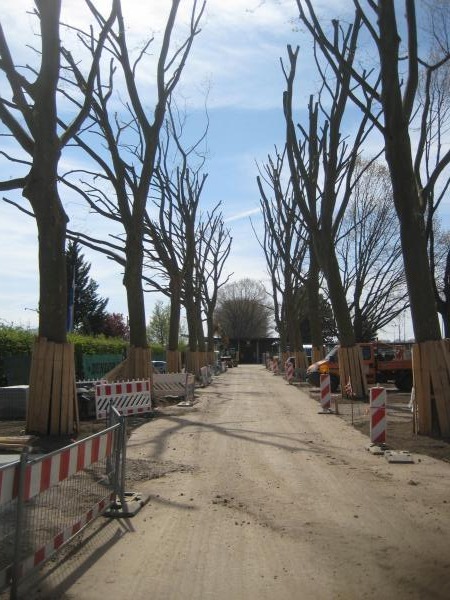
pixel 383 363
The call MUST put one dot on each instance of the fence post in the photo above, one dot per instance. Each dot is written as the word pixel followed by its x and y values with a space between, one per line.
pixel 19 526
pixel 123 444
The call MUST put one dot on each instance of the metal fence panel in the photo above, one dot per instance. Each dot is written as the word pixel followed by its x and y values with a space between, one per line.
pixel 46 501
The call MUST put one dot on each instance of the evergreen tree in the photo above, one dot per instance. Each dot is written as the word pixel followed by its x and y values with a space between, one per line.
pixel 88 307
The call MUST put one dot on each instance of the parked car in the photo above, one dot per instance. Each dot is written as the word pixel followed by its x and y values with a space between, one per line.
pixel 159 366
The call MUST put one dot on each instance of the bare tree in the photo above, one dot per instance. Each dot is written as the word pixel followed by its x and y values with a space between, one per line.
pixel 370 256
pixel 285 244
pixel 213 249
pixel 30 115
pixel 322 164
pixel 411 191
pixel 131 140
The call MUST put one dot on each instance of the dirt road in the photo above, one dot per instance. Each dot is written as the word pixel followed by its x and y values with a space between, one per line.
pixel 264 498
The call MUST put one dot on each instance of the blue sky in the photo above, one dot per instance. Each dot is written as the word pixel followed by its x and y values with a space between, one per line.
pixel 236 60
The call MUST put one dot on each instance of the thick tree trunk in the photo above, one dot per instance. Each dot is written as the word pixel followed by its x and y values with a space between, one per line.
pixel 133 284
pixel 312 289
pixel 175 310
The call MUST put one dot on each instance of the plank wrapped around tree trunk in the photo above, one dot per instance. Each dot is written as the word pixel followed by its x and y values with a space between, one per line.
pixel 52 400
pixel 317 354
pixel 351 367
pixel 301 360
pixel 137 365
pixel 173 358
pixel 192 363
pixel 431 372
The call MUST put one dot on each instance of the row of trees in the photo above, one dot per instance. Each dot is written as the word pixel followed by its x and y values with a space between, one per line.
pixel 335 201
pixel 142 177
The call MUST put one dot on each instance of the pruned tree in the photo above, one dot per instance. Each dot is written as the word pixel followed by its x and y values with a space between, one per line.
pixel 213 249
pixel 370 256
pixel 119 188
pixel 412 185
pixel 29 112
pixel 323 170
pixel 285 244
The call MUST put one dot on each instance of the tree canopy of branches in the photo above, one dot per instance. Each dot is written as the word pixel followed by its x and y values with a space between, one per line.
pixel 285 244
pixel 30 115
pixel 242 310
pixel 131 139
pixel 413 185
pixel 370 256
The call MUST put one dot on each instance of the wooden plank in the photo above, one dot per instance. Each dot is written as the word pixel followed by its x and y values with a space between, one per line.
pixel 65 398
pixel 425 414
pixel 363 372
pixel 353 370
pixel 47 378
pixel 32 408
pixel 345 372
pixel 72 400
pixel 440 385
pixel 55 406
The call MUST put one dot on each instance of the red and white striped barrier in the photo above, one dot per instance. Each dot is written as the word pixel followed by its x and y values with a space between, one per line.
pixel 289 369
pixel 46 551
pixel 378 415
pixel 45 472
pixel 325 392
pixel 128 398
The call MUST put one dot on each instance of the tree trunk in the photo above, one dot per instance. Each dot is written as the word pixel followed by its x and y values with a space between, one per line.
pixel 175 310
pixel 135 293
pixel 350 362
pixel 312 289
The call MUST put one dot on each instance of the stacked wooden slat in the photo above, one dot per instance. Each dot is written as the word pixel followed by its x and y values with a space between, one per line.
pixel 317 353
pixel 192 363
pixel 17 442
pixel 137 365
pixel 431 371
pixel 52 402
pixel 173 358
pixel 301 360
pixel 351 368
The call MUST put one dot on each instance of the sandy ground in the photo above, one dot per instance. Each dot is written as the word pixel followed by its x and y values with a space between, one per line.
pixel 253 495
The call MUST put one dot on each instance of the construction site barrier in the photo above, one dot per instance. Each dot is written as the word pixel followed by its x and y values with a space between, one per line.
pixel 325 392
pixel 127 397
pixel 46 501
pixel 289 371
pixel 378 415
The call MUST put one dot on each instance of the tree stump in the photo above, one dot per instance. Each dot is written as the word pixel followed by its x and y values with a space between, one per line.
pixel 52 399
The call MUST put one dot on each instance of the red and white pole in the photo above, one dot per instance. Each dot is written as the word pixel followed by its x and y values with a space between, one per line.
pixel 325 392
pixel 289 371
pixel 378 415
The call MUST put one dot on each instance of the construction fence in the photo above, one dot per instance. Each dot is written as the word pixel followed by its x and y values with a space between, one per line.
pixel 46 501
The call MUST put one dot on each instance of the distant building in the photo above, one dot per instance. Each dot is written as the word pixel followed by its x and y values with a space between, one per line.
pixel 251 350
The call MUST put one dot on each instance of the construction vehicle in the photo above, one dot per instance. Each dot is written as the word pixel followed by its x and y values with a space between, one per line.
pixel 383 363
